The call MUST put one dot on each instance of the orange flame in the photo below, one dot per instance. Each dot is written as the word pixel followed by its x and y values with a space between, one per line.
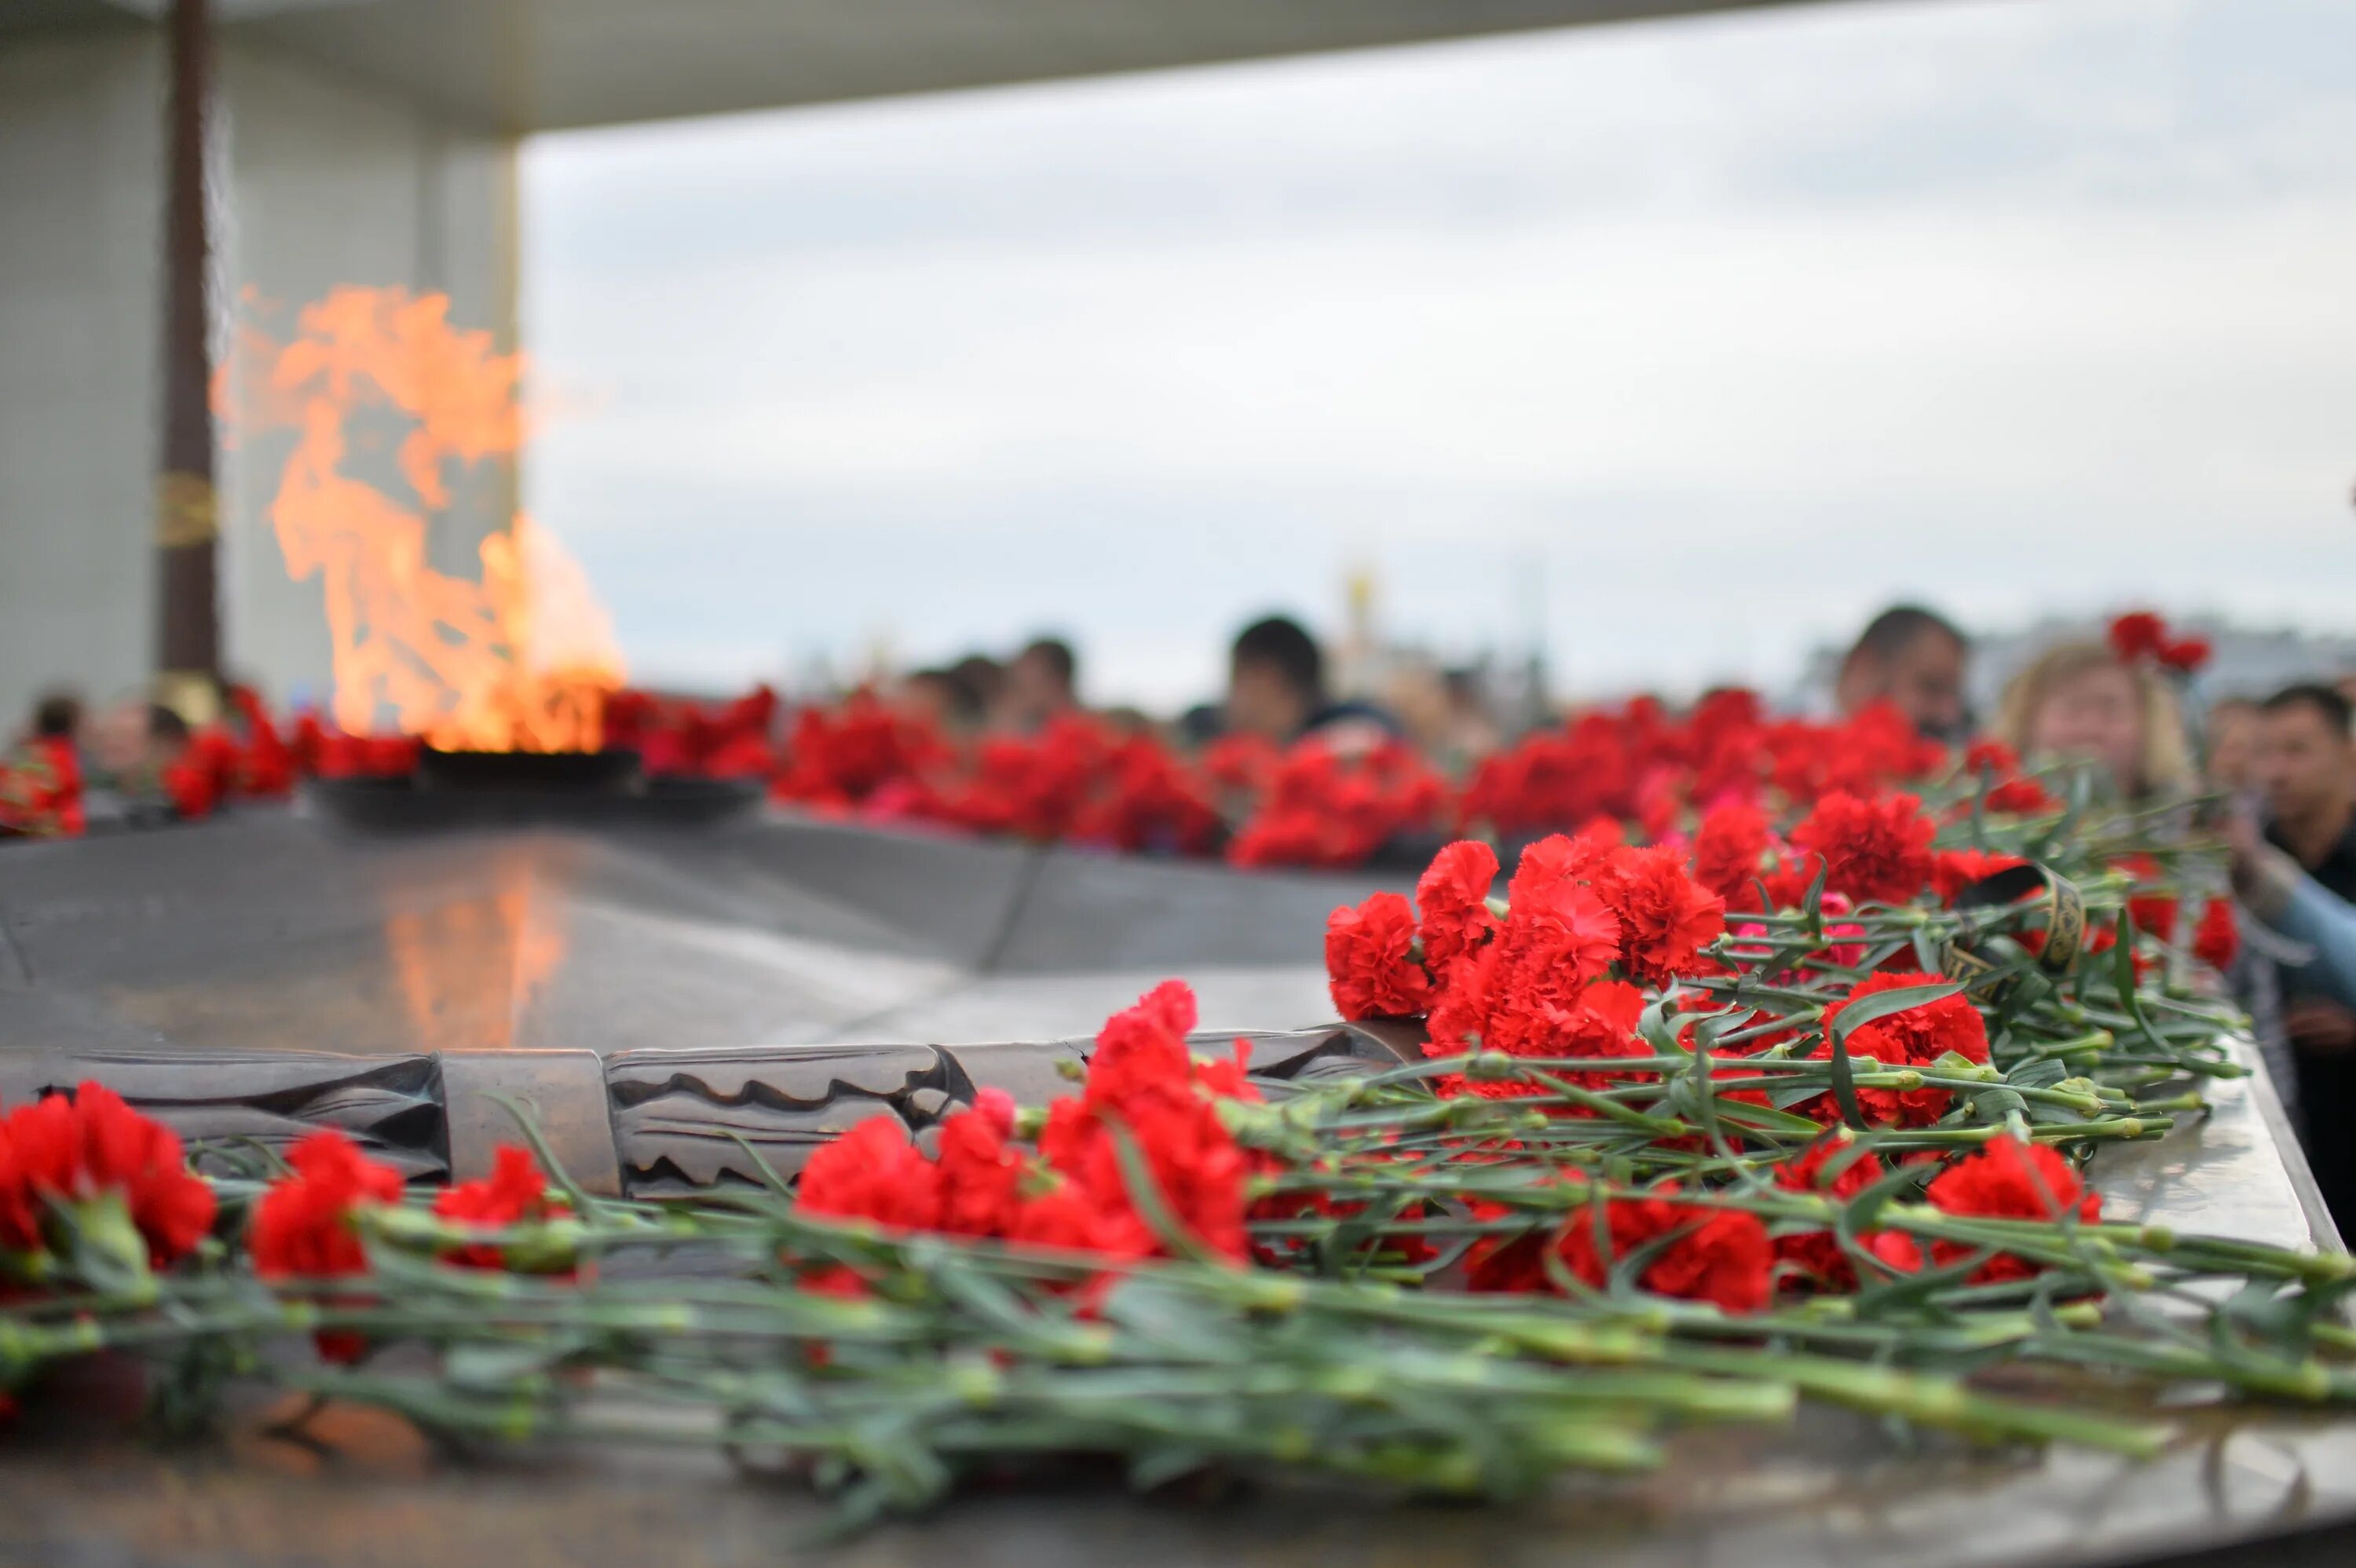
pixel 521 660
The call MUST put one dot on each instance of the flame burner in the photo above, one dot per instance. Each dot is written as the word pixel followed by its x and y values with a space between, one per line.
pixel 454 789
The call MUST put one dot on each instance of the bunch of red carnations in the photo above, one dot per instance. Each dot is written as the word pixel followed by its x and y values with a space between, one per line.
pixel 1138 1165
pixel 1326 808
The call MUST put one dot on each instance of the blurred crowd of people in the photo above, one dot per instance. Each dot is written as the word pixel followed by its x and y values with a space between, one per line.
pixel 1278 688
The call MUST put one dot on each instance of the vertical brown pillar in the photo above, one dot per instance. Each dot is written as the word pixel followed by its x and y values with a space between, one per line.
pixel 187 524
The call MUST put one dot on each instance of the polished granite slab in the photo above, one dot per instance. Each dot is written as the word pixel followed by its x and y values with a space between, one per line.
pixel 274 930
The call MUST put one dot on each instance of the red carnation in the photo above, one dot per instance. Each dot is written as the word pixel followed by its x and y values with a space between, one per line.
pixel 303 1225
pixel 1726 848
pixel 1452 897
pixel 1952 871
pixel 515 1193
pixel 1915 1037
pixel 1563 935
pixel 1818 1254
pixel 1142 1080
pixel 873 1173
pixel 1665 917
pixel 1369 958
pixel 980 1174
pixel 1727 1260
pixel 2009 1179
pixel 1720 1255
pixel 2217 940
pixel 1068 1219
pixel 1875 851
pixel 2185 654
pixel 303 1228
pixel 1598 1022
pixel 61 1151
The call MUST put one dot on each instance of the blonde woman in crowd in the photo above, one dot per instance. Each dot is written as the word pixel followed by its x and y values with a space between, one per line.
pixel 2080 699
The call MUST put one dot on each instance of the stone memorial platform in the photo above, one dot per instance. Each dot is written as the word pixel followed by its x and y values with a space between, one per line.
pixel 650 990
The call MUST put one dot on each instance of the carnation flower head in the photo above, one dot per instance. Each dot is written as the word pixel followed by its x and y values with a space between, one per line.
pixel 1452 898
pixel 2137 634
pixel 1727 847
pixel 1665 917
pixel 873 1173
pixel 1719 1255
pixel 515 1193
pixel 68 1151
pixel 1875 851
pixel 980 1176
pixel 1370 960
pixel 2009 1179
pixel 1952 871
pixel 1915 1037
pixel 2216 940
pixel 303 1226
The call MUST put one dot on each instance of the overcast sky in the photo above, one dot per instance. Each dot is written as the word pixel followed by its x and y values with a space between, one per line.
pixel 1684 343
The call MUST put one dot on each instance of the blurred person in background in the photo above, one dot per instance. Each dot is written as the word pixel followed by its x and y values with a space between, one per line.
pixel 1042 684
pixel 1913 659
pixel 2233 743
pixel 1276 689
pixel 1442 712
pixel 940 700
pixel 131 747
pixel 982 675
pixel 41 782
pixel 2305 762
pixel 2304 765
pixel 57 718
pixel 2079 700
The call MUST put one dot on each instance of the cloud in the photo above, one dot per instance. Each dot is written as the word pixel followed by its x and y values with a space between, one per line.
pixel 1723 330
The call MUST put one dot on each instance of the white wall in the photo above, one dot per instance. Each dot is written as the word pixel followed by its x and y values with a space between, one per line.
pixel 326 183
pixel 80 213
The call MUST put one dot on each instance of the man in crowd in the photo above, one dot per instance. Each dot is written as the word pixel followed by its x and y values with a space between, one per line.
pixel 1913 659
pixel 1042 684
pixel 2305 762
pixel 1276 689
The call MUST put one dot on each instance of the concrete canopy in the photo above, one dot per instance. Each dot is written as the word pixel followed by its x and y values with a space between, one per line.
pixel 518 66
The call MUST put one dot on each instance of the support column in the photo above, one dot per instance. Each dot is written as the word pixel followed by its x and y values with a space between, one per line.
pixel 188 513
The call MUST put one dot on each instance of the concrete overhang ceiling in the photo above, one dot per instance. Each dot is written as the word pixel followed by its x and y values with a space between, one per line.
pixel 520 66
